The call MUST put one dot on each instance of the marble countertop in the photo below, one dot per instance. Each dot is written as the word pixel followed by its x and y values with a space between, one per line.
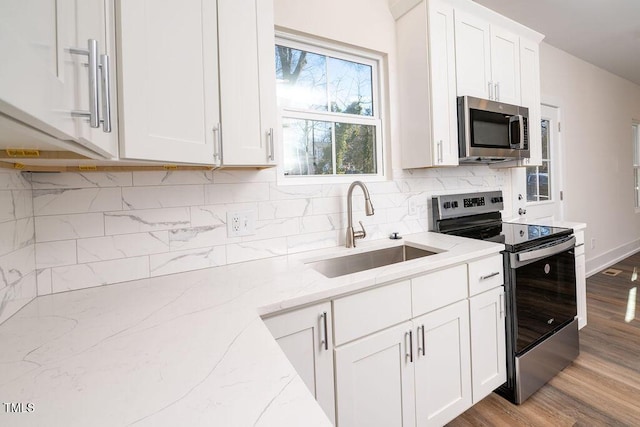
pixel 183 349
pixel 576 226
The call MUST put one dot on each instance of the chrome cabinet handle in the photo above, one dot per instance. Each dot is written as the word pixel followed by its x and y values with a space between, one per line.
pixel 501 302
pixel 497 85
pixel 272 154
pixel 489 276
pixel 421 347
pixel 324 337
pixel 217 137
pixel 440 152
pixel 490 84
pixel 408 348
pixel 106 93
pixel 92 54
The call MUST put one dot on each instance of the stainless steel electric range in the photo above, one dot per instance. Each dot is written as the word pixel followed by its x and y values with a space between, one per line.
pixel 540 287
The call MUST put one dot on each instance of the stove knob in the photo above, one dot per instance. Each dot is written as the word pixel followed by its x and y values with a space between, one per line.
pixel 446 205
pixel 454 204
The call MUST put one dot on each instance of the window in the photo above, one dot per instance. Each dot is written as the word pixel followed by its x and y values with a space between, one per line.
pixel 635 128
pixel 539 177
pixel 330 111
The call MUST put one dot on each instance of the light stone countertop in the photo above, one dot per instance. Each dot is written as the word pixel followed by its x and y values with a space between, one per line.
pixel 186 349
pixel 576 226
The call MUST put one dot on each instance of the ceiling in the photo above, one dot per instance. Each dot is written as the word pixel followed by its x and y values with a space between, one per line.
pixel 605 33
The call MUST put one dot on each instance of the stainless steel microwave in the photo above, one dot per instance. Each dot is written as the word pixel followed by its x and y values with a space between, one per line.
pixel 491 132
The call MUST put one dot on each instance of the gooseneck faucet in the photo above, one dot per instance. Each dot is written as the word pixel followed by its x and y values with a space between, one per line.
pixel 352 235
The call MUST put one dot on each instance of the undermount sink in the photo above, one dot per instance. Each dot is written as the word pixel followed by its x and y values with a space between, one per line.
pixel 339 266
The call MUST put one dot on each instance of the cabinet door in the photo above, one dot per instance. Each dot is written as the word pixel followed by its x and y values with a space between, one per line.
pixel 442 368
pixel 168 80
pixel 581 288
pixel 530 95
pixel 95 20
pixel 505 66
pixel 305 336
pixel 488 351
pixel 374 380
pixel 35 85
pixel 443 90
pixel 473 56
pixel 247 82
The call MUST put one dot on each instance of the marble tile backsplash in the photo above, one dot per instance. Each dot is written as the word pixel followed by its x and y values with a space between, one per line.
pixel 17 243
pixel 93 229
pixel 65 231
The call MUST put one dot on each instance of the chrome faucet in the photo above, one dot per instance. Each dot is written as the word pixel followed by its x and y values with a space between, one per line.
pixel 368 208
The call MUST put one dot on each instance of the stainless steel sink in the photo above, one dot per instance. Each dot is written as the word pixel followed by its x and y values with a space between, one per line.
pixel 339 266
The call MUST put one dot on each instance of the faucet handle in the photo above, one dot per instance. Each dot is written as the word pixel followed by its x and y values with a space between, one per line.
pixel 360 234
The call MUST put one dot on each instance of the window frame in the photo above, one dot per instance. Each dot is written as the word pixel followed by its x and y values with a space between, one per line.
pixel 549 160
pixel 635 131
pixel 377 119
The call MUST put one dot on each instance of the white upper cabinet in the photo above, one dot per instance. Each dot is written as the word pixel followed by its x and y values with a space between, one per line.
pixel 247 83
pixel 530 93
pixel 197 82
pixel 168 80
pixel 54 52
pixel 487 59
pixel 426 62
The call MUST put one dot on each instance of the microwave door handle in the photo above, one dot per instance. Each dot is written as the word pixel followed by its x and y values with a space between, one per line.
pixel 520 119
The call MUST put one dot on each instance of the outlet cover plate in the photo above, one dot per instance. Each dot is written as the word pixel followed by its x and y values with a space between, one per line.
pixel 240 223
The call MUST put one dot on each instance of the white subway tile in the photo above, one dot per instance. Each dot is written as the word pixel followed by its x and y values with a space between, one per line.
pixel 235 193
pixel 15 204
pixel 257 249
pixel 16 235
pixel 17 296
pixel 194 259
pixel 172 178
pixel 65 227
pixel 43 278
pixel 122 246
pixel 199 237
pixel 16 265
pixel 284 208
pixel 67 201
pixel 162 197
pixel 316 223
pixel 146 220
pixel 13 180
pixel 217 214
pixel 42 181
pixel 98 273
pixel 55 254
pixel 283 192
pixel 310 241
pixel 272 228
pixel 328 205
pixel 234 176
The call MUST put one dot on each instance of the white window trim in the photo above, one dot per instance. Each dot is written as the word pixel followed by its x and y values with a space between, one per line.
pixel 340 51
pixel 635 128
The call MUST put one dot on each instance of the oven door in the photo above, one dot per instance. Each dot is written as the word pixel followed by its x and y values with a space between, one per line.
pixel 544 291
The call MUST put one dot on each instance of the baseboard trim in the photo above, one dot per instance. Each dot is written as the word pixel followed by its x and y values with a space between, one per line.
pixel 612 257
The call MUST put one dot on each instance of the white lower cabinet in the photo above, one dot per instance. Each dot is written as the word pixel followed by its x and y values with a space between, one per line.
pixel 442 365
pixel 488 352
pixel 375 380
pixel 305 336
pixel 581 280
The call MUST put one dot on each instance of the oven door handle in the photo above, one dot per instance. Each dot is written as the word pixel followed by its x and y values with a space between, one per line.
pixel 528 256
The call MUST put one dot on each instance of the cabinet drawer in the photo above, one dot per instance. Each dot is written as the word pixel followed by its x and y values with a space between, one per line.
pixel 485 274
pixel 435 290
pixel 370 311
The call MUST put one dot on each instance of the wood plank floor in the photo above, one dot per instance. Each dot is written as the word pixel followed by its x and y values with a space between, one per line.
pixel 602 386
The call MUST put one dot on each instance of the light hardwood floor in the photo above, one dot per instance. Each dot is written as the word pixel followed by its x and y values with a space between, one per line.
pixel 602 386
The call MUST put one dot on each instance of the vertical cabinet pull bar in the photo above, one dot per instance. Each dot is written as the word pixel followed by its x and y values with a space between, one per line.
pixel 501 302
pixel 440 152
pixel 92 54
pixel 490 88
pixel 421 344
pixel 216 141
pixel 498 91
pixel 272 155
pixel 324 335
pixel 106 93
pixel 408 347
pixel 424 343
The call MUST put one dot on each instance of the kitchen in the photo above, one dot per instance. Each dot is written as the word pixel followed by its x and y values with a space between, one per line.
pixel 75 230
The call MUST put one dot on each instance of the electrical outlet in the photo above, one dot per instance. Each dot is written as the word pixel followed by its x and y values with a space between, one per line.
pixel 240 223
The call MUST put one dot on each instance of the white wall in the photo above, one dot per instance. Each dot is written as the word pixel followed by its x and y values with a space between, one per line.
pixel 597 109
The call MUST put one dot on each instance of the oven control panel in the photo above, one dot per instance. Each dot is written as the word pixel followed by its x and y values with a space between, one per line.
pixel 459 205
